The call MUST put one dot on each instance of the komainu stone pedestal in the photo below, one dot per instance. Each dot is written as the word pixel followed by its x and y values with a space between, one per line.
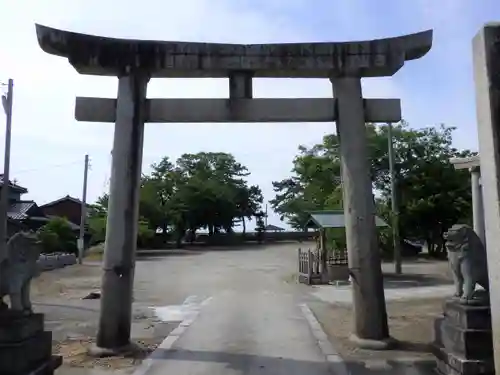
pixel 462 340
pixel 25 348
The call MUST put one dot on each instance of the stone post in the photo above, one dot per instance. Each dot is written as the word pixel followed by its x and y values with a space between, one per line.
pixel 240 85
pixel 486 62
pixel 477 203
pixel 370 323
pixel 324 252
pixel 123 214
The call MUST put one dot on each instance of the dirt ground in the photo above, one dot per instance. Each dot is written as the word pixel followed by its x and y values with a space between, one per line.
pixel 74 353
pixel 70 282
pixel 73 321
pixel 411 321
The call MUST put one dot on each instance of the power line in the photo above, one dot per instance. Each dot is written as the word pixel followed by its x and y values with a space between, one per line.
pixel 48 166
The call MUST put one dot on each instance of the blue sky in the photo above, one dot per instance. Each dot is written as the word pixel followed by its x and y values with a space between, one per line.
pixel 48 145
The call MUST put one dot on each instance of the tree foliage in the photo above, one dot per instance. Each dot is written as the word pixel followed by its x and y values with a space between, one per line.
pixel 57 236
pixel 260 227
pixel 432 194
pixel 205 190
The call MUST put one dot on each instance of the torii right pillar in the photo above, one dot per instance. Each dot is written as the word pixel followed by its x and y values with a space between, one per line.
pixel 370 315
pixel 486 58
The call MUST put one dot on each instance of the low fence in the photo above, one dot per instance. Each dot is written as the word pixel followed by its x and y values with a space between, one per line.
pixel 338 266
pixel 47 262
pixel 310 271
pixel 309 267
pixel 339 258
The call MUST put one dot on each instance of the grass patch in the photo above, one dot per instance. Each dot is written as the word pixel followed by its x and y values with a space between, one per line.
pixel 95 252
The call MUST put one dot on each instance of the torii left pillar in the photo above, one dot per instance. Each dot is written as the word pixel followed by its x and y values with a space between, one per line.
pixel 123 214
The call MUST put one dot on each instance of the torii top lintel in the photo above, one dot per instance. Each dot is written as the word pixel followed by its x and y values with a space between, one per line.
pixel 98 55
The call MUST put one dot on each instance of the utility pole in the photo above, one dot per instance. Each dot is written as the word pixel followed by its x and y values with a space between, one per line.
pixel 4 200
pixel 265 217
pixel 83 217
pixel 394 205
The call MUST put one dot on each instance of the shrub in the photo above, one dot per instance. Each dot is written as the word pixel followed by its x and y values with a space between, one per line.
pixel 97 225
pixel 97 228
pixel 145 235
pixel 335 240
pixel 58 236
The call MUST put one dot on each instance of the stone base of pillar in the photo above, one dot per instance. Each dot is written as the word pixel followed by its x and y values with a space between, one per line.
pixel 98 352
pixel 384 344
pixel 25 348
pixel 462 340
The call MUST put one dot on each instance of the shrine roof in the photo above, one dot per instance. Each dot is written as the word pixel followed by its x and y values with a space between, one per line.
pixel 333 219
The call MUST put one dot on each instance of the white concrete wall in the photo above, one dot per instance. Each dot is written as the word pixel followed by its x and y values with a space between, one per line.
pixel 48 262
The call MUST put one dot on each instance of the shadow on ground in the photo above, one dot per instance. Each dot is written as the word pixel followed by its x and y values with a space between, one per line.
pixel 247 363
pixel 152 255
pixel 394 281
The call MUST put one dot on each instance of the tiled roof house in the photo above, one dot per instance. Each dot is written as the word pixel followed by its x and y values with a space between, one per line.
pixel 68 207
pixel 22 213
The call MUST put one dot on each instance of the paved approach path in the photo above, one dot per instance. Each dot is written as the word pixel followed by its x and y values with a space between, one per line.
pixel 252 323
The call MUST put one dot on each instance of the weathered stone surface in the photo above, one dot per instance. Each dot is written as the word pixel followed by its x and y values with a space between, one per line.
pixel 470 343
pixel 27 355
pixel 467 317
pixel 121 231
pixel 486 59
pixel 442 368
pixel 467 259
pixel 53 261
pixel 438 337
pixel 463 340
pixel 46 368
pixel 451 364
pixel 18 328
pixel 370 322
pixel 239 110
pixel 108 56
pixel 17 270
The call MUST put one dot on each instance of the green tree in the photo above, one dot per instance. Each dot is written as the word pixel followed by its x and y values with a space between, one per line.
pixel 215 191
pixel 314 185
pixel 432 194
pixel 260 227
pixel 98 215
pixel 58 236
pixel 157 191
pixel 97 228
pixel 203 190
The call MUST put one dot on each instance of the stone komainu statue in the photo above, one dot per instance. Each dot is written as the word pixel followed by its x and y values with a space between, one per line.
pixel 17 270
pixel 467 259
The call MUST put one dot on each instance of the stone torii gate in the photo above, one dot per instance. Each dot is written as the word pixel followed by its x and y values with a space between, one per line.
pixel 134 62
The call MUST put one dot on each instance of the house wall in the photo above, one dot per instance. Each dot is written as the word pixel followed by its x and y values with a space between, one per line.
pixel 13 227
pixel 69 209
pixel 13 195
